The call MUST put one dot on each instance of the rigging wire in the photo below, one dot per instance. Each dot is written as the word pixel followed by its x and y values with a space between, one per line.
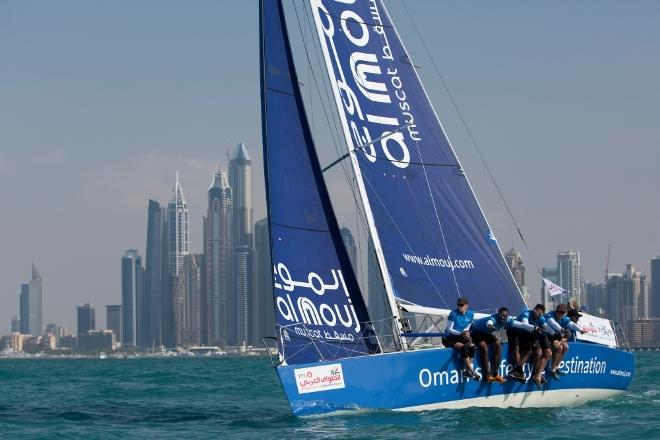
pixel 470 135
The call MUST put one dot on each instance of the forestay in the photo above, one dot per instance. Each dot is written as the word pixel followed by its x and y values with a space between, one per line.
pixel 319 309
pixel 433 240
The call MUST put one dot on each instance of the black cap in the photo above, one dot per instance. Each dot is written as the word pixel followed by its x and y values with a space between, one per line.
pixel 573 313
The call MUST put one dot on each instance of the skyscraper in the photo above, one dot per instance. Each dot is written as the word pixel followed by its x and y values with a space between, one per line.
pixel 187 301
pixel 179 246
pixel 550 274
pixel 15 324
pixel 113 320
pixel 654 300
pixel 349 243
pixel 178 227
pixel 31 305
pixel 131 285
pixel 569 273
pixel 264 322
pixel 514 261
pixel 218 247
pixel 244 303
pixel 240 181
pixel 156 277
pixel 86 319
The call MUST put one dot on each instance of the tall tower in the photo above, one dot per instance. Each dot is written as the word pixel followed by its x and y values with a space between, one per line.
pixel 218 247
pixel 349 244
pixel 264 317
pixel 240 180
pixel 569 273
pixel 113 320
pixel 31 305
pixel 514 261
pixel 131 284
pixel 156 283
pixel 654 300
pixel 179 246
pixel 186 306
pixel 86 319
pixel 179 231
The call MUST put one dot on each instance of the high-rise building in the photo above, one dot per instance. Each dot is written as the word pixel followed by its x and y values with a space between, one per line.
pixel 376 300
pixel 219 315
pixel 240 181
pixel 654 299
pixel 550 274
pixel 595 297
pixel 265 313
pixel 244 302
pixel 31 305
pixel 131 286
pixel 349 244
pixel 615 299
pixel 515 262
pixel 179 246
pixel 86 319
pixel 15 324
pixel 113 320
pixel 156 282
pixel 187 301
pixel 569 273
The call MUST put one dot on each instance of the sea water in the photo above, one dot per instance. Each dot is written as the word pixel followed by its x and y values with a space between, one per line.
pixel 240 397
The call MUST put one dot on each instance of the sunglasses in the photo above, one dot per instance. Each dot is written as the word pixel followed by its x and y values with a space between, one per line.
pixel 559 312
pixel 461 304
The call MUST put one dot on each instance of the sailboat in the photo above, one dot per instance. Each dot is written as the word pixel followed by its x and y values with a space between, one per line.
pixel 430 237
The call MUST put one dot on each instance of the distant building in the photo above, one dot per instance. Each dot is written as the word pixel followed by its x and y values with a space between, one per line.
pixel 178 226
pixel 31 305
pixel 15 324
pixel 187 304
pixel 156 278
pixel 596 299
pixel 654 300
pixel 217 313
pixel 113 320
pixel 86 319
pixel 376 300
pixel 265 315
pixel 645 332
pixel 131 285
pixel 349 244
pixel 569 273
pixel 243 296
pixel 240 181
pixel 549 273
pixel 517 267
pixel 96 341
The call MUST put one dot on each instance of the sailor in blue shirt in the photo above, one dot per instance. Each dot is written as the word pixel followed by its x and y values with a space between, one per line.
pixel 457 335
pixel 483 336
pixel 527 334
pixel 562 325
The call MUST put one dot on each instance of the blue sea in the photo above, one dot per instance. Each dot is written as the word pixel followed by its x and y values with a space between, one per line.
pixel 189 398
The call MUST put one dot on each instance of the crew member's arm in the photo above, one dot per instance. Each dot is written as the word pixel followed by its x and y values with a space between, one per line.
pixel 523 325
pixel 450 329
pixel 554 325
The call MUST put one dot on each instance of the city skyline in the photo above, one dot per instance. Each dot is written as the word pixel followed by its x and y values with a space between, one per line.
pixel 110 125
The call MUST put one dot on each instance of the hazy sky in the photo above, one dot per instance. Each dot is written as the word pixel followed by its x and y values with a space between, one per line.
pixel 101 102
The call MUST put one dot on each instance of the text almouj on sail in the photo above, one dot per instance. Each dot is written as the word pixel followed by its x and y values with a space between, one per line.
pixel 432 241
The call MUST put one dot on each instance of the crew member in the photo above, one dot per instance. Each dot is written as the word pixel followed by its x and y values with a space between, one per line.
pixel 457 335
pixel 483 336
pixel 530 333
pixel 559 323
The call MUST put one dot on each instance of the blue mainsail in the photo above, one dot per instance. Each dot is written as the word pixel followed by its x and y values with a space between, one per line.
pixel 319 309
pixel 436 243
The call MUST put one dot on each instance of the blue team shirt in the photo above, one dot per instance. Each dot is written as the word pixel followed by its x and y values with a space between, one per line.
pixel 563 322
pixel 481 324
pixel 529 314
pixel 461 321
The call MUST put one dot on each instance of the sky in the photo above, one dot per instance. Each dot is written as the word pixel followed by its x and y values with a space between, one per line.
pixel 102 102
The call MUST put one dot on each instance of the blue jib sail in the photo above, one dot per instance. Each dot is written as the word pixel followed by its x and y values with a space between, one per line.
pixel 319 308
pixel 436 242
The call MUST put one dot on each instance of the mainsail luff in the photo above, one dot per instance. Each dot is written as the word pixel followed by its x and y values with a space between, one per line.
pixel 414 195
pixel 317 319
